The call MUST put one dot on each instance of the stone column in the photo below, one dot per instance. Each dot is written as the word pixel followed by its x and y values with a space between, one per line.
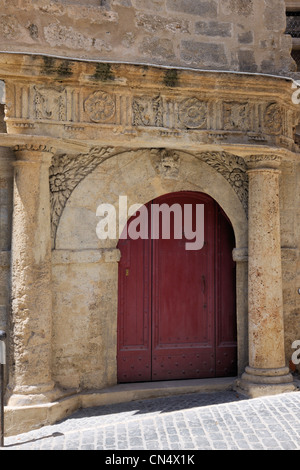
pixel 31 278
pixel 267 372
pixel 6 179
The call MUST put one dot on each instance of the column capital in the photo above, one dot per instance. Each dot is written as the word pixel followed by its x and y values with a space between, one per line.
pixel 263 162
pixel 33 153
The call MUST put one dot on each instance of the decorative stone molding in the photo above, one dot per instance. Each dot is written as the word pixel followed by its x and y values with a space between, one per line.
pixel 263 162
pixel 65 174
pixel 33 148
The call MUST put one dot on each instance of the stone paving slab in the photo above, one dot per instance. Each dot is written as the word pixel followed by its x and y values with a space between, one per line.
pixel 208 421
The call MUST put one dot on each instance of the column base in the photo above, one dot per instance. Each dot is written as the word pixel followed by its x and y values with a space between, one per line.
pixel 33 395
pixel 261 382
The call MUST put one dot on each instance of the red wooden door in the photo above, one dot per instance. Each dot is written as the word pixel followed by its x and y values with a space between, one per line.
pixel 176 306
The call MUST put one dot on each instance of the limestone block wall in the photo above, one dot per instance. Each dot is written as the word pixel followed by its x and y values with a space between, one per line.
pixel 236 35
pixel 84 319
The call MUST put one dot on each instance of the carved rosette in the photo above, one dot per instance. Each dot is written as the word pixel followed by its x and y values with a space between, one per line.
pixel 100 106
pixel 192 113
pixel 65 174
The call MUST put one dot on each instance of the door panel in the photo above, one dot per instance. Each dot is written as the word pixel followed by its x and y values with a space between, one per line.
pixel 176 315
pixel 183 304
pixel 226 348
pixel 134 322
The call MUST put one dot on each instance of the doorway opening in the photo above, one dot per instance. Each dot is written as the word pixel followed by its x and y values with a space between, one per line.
pixel 177 306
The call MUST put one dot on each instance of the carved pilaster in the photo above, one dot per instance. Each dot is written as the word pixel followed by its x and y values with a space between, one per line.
pixel 31 380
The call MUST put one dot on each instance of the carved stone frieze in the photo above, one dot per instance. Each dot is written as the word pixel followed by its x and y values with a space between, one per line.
pixel 74 102
pixel 201 117
pixel 65 174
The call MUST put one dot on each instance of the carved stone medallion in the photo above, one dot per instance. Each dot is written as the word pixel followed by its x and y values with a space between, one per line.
pixel 192 113
pixel 100 106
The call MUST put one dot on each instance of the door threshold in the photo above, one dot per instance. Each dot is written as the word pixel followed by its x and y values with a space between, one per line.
pixel 126 392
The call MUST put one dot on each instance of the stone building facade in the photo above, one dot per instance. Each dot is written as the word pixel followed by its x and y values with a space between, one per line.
pixel 102 98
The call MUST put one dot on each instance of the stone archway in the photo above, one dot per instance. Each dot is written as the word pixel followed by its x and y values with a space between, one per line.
pixel 84 261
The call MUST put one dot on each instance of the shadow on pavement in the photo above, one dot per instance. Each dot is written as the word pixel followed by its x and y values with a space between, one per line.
pixel 160 405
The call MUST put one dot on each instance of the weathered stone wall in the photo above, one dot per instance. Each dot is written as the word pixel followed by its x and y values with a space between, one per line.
pixel 239 35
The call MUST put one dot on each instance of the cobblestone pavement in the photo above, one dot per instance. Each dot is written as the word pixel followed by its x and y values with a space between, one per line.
pixel 223 420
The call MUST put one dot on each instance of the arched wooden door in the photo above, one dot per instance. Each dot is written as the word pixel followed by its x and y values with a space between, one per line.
pixel 177 313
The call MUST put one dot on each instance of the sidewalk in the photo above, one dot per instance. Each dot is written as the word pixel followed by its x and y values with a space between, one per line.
pixel 212 421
